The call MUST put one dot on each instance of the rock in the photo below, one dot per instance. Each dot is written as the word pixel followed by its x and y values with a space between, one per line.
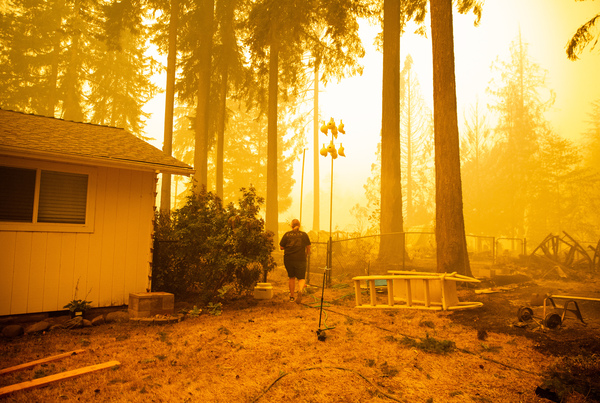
pixel 13 331
pixel 37 327
pixel 118 316
pixel 98 320
pixel 74 323
pixel 87 323
pixel 61 319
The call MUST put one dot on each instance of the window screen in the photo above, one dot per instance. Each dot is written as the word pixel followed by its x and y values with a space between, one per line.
pixel 63 197
pixel 17 189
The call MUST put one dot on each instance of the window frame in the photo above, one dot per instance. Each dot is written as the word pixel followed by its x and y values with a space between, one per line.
pixel 40 166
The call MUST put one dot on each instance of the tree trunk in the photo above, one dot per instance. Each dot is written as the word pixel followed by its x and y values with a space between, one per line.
pixel 228 38
pixel 221 132
pixel 165 190
pixel 71 86
pixel 205 55
pixel 409 153
pixel 316 184
pixel 272 214
pixel 450 228
pixel 391 247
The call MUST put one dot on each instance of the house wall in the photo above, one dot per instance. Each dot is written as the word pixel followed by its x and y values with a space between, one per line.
pixel 40 271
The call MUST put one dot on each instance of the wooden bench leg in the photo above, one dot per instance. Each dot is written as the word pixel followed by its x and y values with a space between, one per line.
pixel 357 292
pixel 427 295
pixel 372 292
pixel 390 291
pixel 444 297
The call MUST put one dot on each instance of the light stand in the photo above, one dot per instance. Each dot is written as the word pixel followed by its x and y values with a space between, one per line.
pixel 329 150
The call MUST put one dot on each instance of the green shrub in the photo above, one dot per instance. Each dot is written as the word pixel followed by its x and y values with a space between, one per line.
pixel 203 246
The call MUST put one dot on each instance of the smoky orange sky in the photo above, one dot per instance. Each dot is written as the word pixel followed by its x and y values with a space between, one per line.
pixel 545 25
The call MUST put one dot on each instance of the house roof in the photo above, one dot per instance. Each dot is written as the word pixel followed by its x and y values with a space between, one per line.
pixel 54 139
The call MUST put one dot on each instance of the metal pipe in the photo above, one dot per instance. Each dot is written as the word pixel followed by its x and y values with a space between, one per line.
pixel 302 185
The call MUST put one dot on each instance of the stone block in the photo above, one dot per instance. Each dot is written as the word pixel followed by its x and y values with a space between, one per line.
pixel 146 304
pixel 263 291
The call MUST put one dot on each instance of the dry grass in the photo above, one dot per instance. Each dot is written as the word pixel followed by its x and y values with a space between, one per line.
pixel 267 351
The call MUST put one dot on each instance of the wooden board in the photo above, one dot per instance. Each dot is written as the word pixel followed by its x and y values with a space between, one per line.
pixel 56 377
pixel 574 298
pixel 41 361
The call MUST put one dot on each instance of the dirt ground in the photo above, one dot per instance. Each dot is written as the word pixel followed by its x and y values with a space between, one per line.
pixel 268 351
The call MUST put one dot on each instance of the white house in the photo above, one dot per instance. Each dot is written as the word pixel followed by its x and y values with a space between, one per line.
pixel 76 210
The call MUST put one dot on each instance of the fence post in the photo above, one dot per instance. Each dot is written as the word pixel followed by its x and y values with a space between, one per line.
pixel 494 249
pixel 308 269
pixel 403 249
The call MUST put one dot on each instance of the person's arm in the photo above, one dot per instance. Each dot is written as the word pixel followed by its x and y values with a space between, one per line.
pixel 307 250
pixel 281 243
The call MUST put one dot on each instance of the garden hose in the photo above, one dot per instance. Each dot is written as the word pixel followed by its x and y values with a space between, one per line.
pixel 326 304
pixel 317 304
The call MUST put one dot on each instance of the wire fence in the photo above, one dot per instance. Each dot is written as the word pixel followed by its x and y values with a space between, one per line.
pixel 354 256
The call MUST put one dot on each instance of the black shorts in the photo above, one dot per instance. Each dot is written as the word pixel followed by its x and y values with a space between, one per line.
pixel 295 268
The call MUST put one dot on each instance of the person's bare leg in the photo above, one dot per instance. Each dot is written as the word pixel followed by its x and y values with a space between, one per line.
pixel 301 285
pixel 292 287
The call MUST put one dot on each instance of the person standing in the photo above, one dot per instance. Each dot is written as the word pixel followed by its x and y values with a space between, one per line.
pixel 296 247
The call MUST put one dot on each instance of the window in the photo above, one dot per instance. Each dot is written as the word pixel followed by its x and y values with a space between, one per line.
pixel 42 199
pixel 18 187
pixel 63 197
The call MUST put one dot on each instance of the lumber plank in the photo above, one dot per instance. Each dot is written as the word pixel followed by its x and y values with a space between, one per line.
pixel 385 306
pixel 575 298
pixel 56 378
pixel 40 361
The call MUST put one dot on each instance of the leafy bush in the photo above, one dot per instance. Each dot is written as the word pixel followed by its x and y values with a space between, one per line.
pixel 203 246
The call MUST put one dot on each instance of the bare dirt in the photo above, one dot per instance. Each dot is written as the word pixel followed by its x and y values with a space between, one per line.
pixel 268 351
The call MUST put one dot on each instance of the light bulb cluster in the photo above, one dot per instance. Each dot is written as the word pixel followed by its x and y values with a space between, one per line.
pixel 330 149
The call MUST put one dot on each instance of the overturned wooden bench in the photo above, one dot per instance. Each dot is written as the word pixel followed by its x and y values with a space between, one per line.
pixel 415 290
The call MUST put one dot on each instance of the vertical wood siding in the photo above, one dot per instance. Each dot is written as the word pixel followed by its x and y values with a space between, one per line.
pixel 40 271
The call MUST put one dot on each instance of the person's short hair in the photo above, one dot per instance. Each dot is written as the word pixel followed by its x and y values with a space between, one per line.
pixel 295 223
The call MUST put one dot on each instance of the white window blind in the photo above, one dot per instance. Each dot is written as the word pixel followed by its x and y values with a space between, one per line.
pixel 63 197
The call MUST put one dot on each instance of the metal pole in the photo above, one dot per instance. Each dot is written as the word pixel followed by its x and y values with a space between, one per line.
pixel 302 185
pixel 321 332
pixel 330 257
pixel 331 200
pixel 322 292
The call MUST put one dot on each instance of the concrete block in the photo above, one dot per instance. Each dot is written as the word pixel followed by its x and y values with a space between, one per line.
pixel 263 291
pixel 146 304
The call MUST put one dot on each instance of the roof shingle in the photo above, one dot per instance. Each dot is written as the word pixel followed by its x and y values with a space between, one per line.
pixel 62 139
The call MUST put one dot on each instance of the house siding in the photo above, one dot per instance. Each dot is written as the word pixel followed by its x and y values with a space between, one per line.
pixel 40 270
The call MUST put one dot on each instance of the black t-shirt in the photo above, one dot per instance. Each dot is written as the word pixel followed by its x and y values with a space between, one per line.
pixel 294 245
